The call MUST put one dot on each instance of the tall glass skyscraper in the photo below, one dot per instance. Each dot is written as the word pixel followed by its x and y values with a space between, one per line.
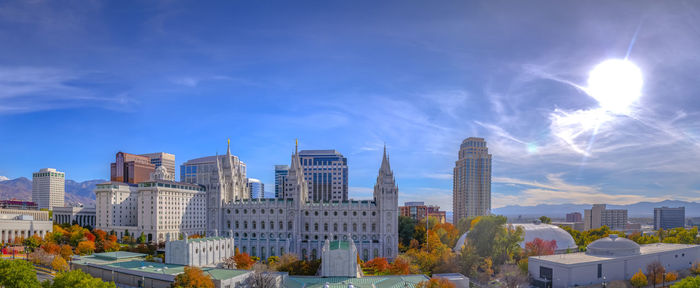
pixel 471 190
pixel 256 188
pixel 326 172
pixel 281 172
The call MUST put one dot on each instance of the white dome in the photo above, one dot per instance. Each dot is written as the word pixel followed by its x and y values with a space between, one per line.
pixel 613 246
pixel 545 232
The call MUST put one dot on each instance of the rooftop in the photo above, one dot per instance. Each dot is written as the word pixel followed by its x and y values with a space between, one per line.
pixel 335 245
pixel 581 257
pixel 364 282
pixel 204 239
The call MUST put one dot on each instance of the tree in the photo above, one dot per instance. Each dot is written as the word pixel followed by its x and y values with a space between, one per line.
pixel 400 266
pixel 193 277
pixel 639 279
pixel 19 274
pixel 85 248
pixel 77 279
pixel 272 260
pixel 66 252
pixel 435 283
pixel 378 265
pixel 655 272
pixel 469 260
pixel 32 242
pixel 243 261
pixel 688 282
pixel 545 220
pixel 229 263
pixel 59 264
pixel 484 232
pixel 539 247
pixel 406 230
pixel 511 276
pixel 671 276
pixel 51 248
pixel 695 269
pixel 261 277
pixel 142 239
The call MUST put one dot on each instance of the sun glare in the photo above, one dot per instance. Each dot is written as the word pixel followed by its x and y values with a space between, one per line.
pixel 616 84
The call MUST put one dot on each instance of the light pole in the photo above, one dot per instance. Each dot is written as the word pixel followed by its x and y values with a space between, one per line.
pixel 604 283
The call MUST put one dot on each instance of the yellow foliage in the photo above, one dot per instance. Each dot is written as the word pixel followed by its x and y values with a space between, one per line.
pixel 59 264
pixel 639 279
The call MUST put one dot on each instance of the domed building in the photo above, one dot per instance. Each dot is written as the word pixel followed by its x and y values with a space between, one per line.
pixel 546 232
pixel 608 259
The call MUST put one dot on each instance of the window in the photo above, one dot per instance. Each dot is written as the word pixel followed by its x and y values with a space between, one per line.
pixel 546 273
pixel 600 271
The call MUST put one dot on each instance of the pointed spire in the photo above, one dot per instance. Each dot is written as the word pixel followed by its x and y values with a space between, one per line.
pixel 385 162
pixel 296 146
pixel 228 149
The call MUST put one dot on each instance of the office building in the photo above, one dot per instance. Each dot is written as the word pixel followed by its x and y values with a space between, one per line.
pixel 598 216
pixel 131 168
pixel 18 224
pixel 162 159
pixel 418 211
pixel 471 192
pixel 669 218
pixel 83 216
pixel 48 188
pixel 281 172
pixel 608 259
pixel 574 217
pixel 326 174
pixel 256 189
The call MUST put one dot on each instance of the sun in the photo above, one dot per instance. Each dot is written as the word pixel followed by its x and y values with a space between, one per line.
pixel 616 84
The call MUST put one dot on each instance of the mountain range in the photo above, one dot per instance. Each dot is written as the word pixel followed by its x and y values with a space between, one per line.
pixel 641 209
pixel 76 192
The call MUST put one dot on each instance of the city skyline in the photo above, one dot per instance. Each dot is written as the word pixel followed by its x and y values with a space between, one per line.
pixel 419 77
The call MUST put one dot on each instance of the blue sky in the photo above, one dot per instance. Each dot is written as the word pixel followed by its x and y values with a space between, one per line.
pixel 82 80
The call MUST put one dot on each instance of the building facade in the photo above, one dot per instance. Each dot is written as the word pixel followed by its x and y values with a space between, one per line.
pixel 20 225
pixel 83 216
pixel 574 217
pixel 471 192
pixel 15 204
pixel 669 218
pixel 162 159
pixel 198 252
pixel 48 188
pixel 598 216
pixel 418 211
pixel 256 189
pixel 326 174
pixel 131 168
pixel 159 208
pixel 281 172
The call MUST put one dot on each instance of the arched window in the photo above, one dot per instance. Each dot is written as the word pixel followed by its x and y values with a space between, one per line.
pixel 255 226
pixel 374 227
pixel 376 253
pixel 228 224
pixel 236 224
pixel 245 224
pixel 354 227
pixel 335 227
pixel 262 224
pixel 345 227
pixel 272 225
pixel 313 254
pixel 365 255
pixel 315 226
pixel 289 225
pixel 281 226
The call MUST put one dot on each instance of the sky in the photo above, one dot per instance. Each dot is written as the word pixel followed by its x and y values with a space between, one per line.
pixel 82 80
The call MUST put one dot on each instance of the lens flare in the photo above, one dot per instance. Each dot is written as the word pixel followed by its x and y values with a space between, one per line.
pixel 616 84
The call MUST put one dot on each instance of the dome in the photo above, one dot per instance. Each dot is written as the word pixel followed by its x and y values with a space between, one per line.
pixel 545 232
pixel 612 246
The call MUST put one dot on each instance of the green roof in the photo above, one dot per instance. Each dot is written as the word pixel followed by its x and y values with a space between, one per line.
pixel 221 274
pixel 139 264
pixel 335 245
pixel 364 282
pixel 117 255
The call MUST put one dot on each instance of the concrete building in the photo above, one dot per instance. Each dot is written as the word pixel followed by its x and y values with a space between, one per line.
pixel 21 225
pixel 162 159
pixel 256 189
pixel 578 226
pixel 418 211
pixel 83 216
pixel 326 174
pixel 281 172
pixel 574 217
pixel 669 218
pixel 38 215
pixel 131 168
pixel 598 216
pixel 48 188
pixel 16 204
pixel 159 208
pixel 199 252
pixel 471 192
pixel 343 259
pixel 608 259
pixel 128 269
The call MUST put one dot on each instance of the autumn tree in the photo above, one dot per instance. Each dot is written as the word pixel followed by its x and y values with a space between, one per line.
pixel 655 272
pixel 436 283
pixel 59 264
pixel 85 248
pixel 243 261
pixel 400 266
pixel 377 265
pixel 193 277
pixel 671 276
pixel 539 247
pixel 639 279
pixel 32 242
pixel 66 252
pixel 261 277
pixel 512 276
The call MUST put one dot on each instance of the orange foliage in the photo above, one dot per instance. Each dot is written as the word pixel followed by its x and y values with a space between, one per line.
pixel 101 235
pixel 379 264
pixel 539 247
pixel 400 267
pixel 90 237
pixel 193 277
pixel 436 283
pixel 66 251
pixel 243 261
pixel 85 248
pixel 112 238
pixel 51 248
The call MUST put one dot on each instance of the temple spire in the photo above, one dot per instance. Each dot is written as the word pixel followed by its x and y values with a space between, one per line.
pixel 296 146
pixel 228 149
pixel 385 162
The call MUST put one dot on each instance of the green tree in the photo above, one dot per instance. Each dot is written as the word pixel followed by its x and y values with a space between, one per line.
pixel 17 274
pixel 688 282
pixel 77 279
pixel 545 220
pixel 406 230
pixel 32 242
pixel 483 234
pixel 142 238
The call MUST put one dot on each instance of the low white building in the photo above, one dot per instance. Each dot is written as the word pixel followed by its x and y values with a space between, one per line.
pixel 13 226
pixel 83 216
pixel 199 252
pixel 608 259
pixel 340 259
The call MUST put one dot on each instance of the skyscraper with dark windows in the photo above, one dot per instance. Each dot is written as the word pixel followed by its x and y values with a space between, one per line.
pixel 256 188
pixel 669 218
pixel 326 173
pixel 471 192
pixel 281 172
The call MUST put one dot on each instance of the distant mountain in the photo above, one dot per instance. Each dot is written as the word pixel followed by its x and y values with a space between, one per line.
pixel 3 178
pixel 76 192
pixel 641 209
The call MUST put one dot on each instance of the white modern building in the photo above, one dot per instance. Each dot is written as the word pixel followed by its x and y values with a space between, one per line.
pixel 48 188
pixel 608 259
pixel 199 252
pixel 13 226
pixel 471 186
pixel 158 208
pixel 256 189
pixel 83 216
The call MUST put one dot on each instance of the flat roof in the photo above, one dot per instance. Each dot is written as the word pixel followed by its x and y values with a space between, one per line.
pixel 367 281
pixel 582 257
pixel 118 255
pixel 204 239
pixel 138 264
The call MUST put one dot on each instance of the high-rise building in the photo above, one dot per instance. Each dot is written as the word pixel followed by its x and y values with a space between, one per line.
pixel 281 172
pixel 574 217
pixel 131 168
pixel 418 211
pixel 326 173
pixel 599 216
pixel 256 188
pixel 471 190
pixel 669 218
pixel 165 159
pixel 48 188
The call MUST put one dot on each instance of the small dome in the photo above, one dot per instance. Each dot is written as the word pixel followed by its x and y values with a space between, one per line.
pixel 613 246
